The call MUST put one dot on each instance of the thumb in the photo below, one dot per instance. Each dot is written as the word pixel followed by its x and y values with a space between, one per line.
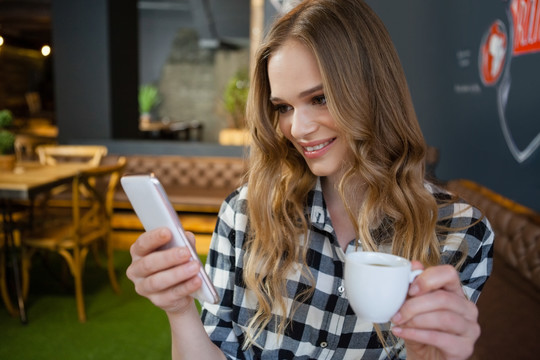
pixel 416 265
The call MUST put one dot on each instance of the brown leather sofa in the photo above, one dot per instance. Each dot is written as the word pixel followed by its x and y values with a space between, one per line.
pixel 193 184
pixel 509 305
pixel 196 187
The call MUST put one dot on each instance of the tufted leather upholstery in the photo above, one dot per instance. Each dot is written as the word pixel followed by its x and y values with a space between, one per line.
pixel 509 313
pixel 517 229
pixel 192 183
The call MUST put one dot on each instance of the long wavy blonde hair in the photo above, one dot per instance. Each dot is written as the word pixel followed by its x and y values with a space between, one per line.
pixel 368 97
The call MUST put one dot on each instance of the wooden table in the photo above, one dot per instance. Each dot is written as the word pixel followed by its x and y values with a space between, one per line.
pixel 29 179
pixel 181 130
pixel 24 183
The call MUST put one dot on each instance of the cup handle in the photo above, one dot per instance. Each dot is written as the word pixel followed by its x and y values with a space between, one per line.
pixel 413 274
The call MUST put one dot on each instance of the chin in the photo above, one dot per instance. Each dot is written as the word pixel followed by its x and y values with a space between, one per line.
pixel 322 171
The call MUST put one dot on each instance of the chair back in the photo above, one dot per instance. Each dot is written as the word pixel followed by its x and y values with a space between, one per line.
pixel 26 144
pixel 52 154
pixel 92 196
pixel 33 100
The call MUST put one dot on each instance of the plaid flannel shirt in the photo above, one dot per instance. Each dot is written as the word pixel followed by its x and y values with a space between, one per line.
pixel 324 326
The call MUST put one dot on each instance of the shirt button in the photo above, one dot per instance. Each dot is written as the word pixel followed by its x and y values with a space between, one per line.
pixel 341 289
pixel 324 344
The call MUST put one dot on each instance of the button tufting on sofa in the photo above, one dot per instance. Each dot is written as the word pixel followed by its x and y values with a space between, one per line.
pixel 196 187
pixel 197 184
pixel 509 306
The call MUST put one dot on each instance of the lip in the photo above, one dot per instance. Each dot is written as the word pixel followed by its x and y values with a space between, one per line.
pixel 316 149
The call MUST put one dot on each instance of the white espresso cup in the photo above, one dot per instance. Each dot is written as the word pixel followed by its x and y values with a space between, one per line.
pixel 376 284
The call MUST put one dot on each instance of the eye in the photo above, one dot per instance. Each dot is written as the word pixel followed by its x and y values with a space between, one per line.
pixel 282 108
pixel 319 100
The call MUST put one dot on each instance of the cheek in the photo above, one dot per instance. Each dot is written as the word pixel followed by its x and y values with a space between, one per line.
pixel 285 128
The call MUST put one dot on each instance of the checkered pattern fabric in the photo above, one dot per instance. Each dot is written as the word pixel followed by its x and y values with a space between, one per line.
pixel 324 326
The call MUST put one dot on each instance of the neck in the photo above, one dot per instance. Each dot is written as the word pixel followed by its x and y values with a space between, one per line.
pixel 341 221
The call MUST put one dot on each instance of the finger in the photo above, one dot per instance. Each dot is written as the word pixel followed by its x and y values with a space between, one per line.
pixel 178 297
pixel 416 265
pixel 149 242
pixel 442 321
pixel 191 237
pixel 157 261
pixel 437 277
pixel 452 345
pixel 166 279
pixel 440 300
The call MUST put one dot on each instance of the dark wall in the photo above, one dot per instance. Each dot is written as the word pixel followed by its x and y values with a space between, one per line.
pixel 438 43
pixel 95 68
pixel 480 136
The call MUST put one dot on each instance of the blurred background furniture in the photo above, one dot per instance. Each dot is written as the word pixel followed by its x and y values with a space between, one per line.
pixel 180 130
pixel 19 189
pixel 195 185
pixel 72 232
pixel 3 276
pixel 51 154
pixel 26 144
pixel 54 154
pixel 509 303
pixel 33 100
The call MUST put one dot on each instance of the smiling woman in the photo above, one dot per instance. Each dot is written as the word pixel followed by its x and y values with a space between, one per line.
pixel 304 117
pixel 337 165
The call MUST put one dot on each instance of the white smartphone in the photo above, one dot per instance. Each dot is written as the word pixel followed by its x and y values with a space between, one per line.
pixel 154 210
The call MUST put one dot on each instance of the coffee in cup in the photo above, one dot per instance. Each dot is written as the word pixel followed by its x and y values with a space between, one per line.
pixel 376 284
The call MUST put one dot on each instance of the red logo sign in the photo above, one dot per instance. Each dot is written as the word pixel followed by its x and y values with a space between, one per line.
pixel 496 54
pixel 493 53
pixel 526 26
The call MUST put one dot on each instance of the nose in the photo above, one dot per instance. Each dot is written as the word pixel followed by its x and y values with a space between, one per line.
pixel 303 123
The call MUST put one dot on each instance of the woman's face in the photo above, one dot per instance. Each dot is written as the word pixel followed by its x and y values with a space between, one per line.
pixel 298 96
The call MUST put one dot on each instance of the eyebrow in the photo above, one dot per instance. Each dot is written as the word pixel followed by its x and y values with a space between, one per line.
pixel 302 94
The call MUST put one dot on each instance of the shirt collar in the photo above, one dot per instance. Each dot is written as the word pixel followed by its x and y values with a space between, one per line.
pixel 317 212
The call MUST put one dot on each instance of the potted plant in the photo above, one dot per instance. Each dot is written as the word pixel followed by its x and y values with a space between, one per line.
pixel 235 99
pixel 7 141
pixel 148 98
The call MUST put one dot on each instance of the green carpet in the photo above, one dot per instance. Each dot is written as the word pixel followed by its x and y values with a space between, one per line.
pixel 119 326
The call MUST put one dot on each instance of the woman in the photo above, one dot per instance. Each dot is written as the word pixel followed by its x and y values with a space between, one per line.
pixel 336 165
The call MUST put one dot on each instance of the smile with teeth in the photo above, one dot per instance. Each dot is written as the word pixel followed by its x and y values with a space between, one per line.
pixel 317 147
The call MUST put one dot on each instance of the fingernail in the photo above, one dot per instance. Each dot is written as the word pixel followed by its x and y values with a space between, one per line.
pixel 163 233
pixel 193 266
pixel 414 290
pixel 397 330
pixel 182 252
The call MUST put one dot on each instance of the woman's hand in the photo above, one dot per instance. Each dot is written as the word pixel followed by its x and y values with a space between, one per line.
pixel 166 277
pixel 437 321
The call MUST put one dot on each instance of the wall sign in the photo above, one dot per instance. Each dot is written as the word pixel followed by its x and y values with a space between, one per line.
pixel 498 47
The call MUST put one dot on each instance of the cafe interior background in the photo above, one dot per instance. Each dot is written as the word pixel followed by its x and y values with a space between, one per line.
pixel 103 52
